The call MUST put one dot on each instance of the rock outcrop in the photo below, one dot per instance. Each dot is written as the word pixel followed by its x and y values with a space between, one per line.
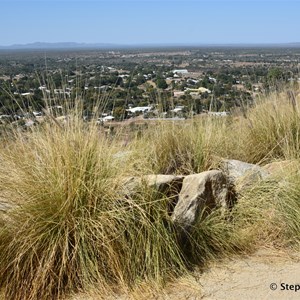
pixel 193 197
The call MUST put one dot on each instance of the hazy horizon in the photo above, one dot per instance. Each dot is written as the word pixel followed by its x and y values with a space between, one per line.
pixel 151 22
pixel 37 43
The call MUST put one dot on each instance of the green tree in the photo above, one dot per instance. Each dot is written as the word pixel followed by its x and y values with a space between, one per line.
pixel 161 83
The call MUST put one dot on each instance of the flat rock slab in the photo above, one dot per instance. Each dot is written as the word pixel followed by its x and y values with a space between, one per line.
pixel 164 182
pixel 168 184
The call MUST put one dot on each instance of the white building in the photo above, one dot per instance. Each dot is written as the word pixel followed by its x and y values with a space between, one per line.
pixel 180 71
pixel 139 109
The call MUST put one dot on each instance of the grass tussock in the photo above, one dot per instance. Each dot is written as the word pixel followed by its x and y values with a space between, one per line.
pixel 187 147
pixel 272 128
pixel 269 214
pixel 176 148
pixel 72 227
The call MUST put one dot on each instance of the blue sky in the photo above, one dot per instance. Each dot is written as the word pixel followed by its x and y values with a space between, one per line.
pixel 156 21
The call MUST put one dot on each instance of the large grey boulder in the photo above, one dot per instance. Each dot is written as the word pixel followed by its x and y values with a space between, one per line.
pixel 199 194
pixel 241 174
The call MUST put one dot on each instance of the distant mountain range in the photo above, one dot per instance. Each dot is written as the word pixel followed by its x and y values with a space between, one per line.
pixel 73 45
pixel 67 45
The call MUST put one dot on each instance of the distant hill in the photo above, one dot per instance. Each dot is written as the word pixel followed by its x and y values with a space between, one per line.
pixel 66 45
pixel 74 45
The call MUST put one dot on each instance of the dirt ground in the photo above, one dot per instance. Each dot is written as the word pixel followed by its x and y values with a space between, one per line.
pixel 261 276
pixel 265 275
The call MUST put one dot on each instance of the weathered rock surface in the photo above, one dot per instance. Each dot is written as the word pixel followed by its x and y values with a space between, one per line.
pixel 243 175
pixel 203 191
pixel 236 169
pixel 164 182
pixel 168 184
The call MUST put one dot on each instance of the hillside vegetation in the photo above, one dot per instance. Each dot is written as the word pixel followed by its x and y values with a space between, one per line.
pixel 72 228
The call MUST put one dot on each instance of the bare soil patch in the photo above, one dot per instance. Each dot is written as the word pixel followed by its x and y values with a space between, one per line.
pixel 246 278
pixel 252 277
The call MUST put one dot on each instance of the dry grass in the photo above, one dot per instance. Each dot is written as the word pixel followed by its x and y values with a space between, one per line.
pixel 73 229
pixel 72 226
